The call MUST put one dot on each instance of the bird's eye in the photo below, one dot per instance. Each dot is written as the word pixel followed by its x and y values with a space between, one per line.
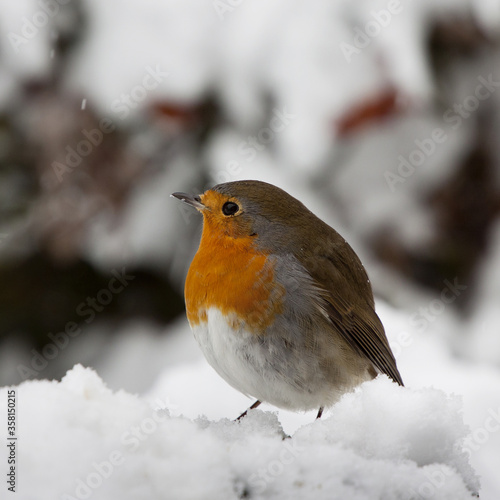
pixel 230 208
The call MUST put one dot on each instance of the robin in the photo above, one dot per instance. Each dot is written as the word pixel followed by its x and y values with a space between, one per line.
pixel 278 301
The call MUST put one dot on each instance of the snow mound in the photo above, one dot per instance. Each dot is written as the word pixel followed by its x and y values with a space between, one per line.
pixel 78 439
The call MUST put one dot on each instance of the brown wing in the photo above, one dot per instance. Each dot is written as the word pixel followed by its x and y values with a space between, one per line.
pixel 346 298
pixel 364 332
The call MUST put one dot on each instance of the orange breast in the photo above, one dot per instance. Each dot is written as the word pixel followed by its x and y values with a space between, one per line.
pixel 230 274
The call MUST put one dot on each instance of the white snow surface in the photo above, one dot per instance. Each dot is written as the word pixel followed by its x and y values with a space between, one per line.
pixel 80 439
pixel 381 442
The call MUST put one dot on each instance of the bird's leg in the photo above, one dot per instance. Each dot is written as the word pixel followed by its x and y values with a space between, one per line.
pixel 320 412
pixel 255 405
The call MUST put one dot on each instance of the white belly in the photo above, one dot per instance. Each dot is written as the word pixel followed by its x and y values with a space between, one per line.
pixel 262 370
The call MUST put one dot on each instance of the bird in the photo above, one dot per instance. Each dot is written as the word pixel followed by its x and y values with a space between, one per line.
pixel 278 301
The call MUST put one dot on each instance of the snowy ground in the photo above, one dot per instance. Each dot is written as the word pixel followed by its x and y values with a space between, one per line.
pixel 80 439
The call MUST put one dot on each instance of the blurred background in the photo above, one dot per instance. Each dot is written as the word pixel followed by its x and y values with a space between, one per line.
pixel 383 117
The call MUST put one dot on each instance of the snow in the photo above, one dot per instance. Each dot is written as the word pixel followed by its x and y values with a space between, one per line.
pixel 376 443
pixel 179 439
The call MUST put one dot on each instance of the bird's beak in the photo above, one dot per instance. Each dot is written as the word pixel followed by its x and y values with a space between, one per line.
pixel 191 199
